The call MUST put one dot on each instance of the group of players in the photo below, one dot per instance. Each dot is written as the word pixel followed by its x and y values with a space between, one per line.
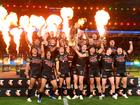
pixel 89 60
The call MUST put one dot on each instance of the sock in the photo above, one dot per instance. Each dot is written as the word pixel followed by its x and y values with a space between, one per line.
pixel 103 93
pixel 77 92
pixel 117 90
pixel 91 93
pixel 68 92
pixel 40 94
pixel 113 93
pixel 124 90
pixel 80 92
pixel 51 92
pixel 60 91
pixel 99 94
pixel 29 93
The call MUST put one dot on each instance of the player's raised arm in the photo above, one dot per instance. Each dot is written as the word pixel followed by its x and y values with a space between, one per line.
pixel 80 54
pixel 130 47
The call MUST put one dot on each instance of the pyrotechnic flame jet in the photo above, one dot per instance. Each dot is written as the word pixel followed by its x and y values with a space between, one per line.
pixel 66 14
pixel 101 19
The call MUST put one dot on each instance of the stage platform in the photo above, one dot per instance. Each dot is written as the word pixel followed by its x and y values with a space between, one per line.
pixel 9 74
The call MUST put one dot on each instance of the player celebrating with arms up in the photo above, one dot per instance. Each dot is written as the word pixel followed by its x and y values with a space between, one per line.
pixel 79 72
pixel 33 64
pixel 63 70
pixel 94 70
pixel 47 75
pixel 107 71
pixel 120 60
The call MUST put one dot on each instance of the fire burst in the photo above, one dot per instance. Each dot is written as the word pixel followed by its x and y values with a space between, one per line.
pixel 53 21
pixel 101 19
pixel 6 20
pixel 16 32
pixel 3 13
pixel 24 22
pixel 37 21
pixel 82 21
pixel 67 14
pixel 11 19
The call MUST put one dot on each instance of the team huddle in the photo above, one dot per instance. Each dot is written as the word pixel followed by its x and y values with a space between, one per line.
pixel 90 60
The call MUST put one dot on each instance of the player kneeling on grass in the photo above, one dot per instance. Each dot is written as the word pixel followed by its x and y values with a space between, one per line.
pixel 33 64
pixel 47 75
pixel 120 60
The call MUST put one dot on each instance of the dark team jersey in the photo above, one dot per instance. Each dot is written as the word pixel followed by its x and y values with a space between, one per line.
pixel 81 61
pixel 48 64
pixel 49 48
pixel 71 55
pixel 114 50
pixel 35 63
pixel 107 61
pixel 94 61
pixel 63 60
pixel 38 49
pixel 120 61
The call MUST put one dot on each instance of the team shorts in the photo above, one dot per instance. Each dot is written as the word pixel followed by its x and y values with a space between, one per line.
pixel 94 73
pixel 121 73
pixel 48 74
pixel 79 70
pixel 107 73
pixel 65 72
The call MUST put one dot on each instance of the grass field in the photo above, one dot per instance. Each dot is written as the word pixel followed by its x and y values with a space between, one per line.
pixel 133 100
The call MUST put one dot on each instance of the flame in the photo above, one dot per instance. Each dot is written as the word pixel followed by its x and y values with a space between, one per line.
pixel 3 13
pixel 37 21
pixel 54 19
pixel 6 37
pixel 66 14
pixel 30 31
pixel 82 21
pixel 24 21
pixel 101 19
pixel 52 28
pixel 16 32
pixel 11 19
pixel 33 20
pixel 40 22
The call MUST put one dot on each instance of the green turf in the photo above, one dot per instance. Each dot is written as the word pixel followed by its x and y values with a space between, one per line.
pixel 133 100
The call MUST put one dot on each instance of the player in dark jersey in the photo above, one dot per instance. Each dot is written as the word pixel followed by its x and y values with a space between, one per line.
pixel 79 72
pixel 107 72
pixel 34 63
pixel 113 47
pixel 94 70
pixel 96 41
pixel 63 71
pixel 51 45
pixel 120 60
pixel 47 75
pixel 36 42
